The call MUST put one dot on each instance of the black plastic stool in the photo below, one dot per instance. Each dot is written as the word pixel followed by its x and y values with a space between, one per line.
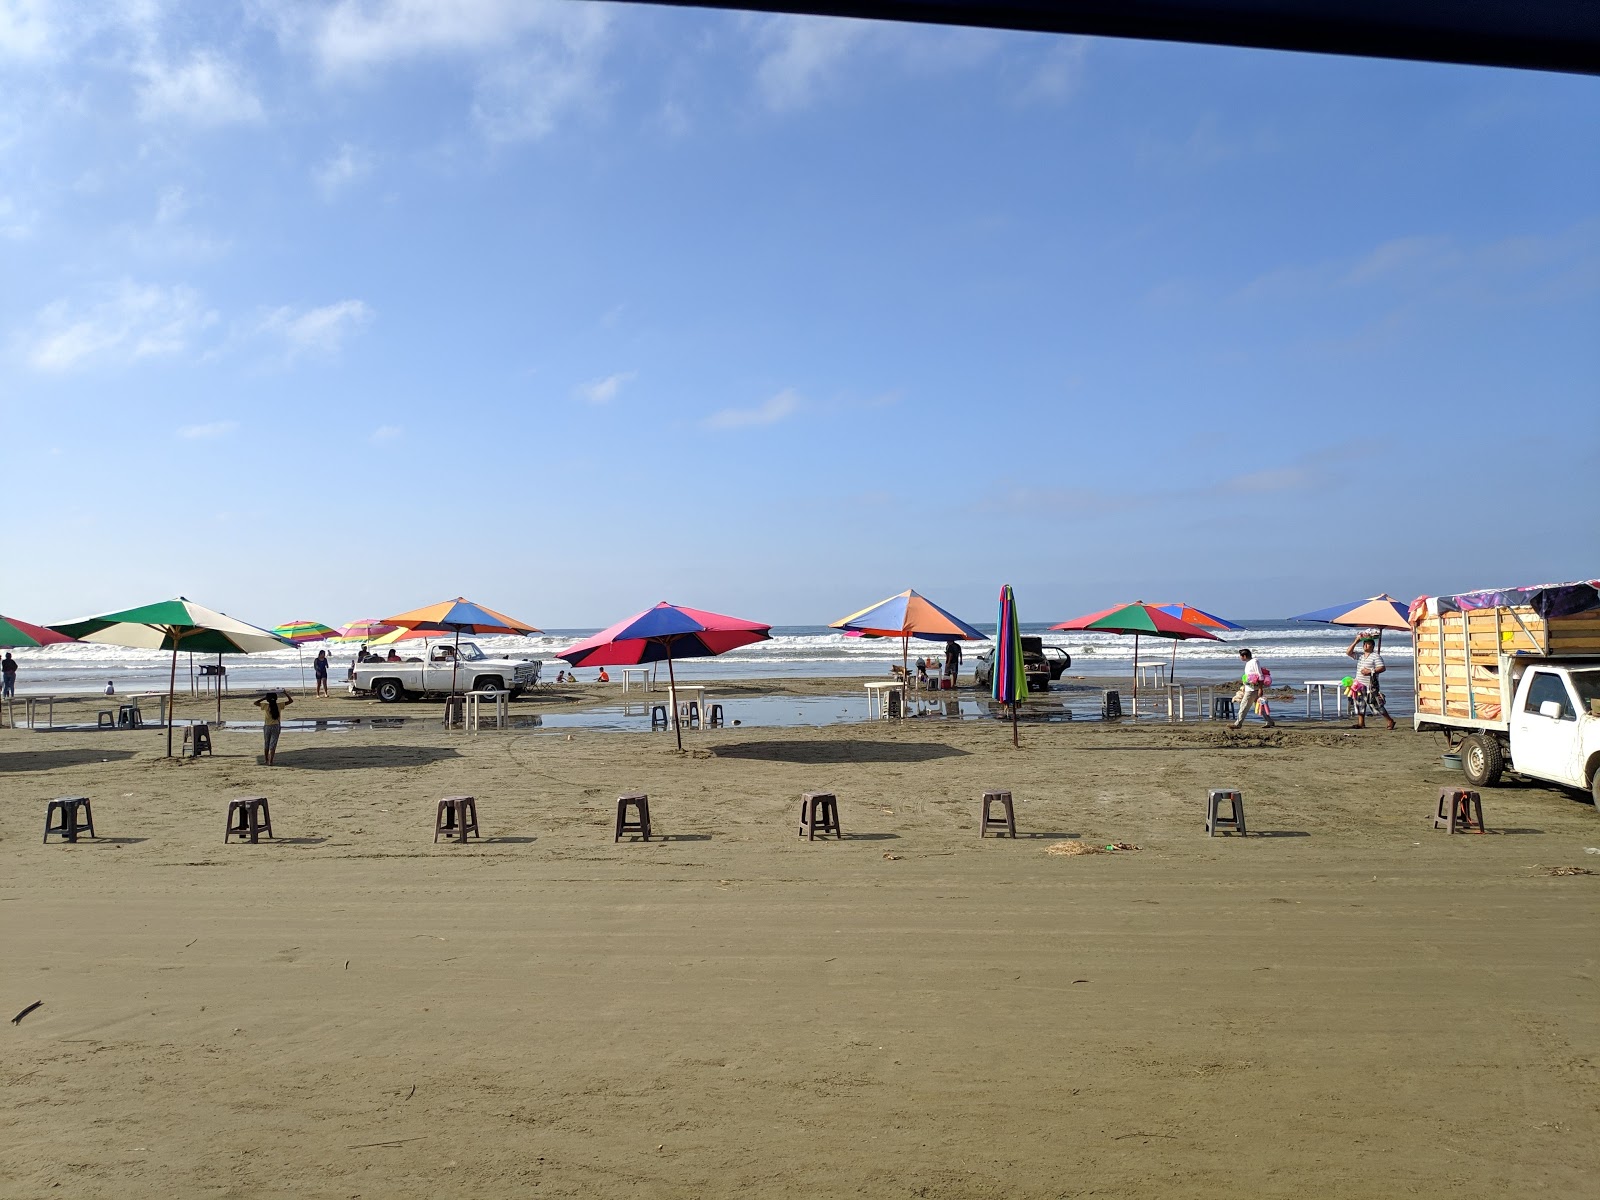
pixel 716 714
pixel 692 709
pixel 659 718
pixel 75 816
pixel 1222 708
pixel 819 813
pixel 457 817
pixel 197 740
pixel 248 815
pixel 129 717
pixel 1214 821
pixel 640 803
pixel 1002 826
pixel 106 719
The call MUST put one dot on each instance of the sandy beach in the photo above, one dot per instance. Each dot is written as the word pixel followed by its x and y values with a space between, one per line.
pixel 1346 1002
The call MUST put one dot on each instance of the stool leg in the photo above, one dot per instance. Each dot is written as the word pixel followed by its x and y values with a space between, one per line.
pixel 1238 814
pixel 1011 819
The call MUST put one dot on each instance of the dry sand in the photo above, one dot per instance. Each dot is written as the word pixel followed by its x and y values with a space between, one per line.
pixel 1343 1003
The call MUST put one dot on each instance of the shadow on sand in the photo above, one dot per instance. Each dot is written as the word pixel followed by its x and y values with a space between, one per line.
pixel 844 751
pixel 48 760
pixel 344 758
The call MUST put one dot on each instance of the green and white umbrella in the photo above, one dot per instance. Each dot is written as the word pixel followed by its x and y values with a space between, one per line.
pixel 178 624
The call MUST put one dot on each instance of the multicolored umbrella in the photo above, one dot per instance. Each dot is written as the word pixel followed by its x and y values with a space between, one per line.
pixel 666 632
pixel 304 631
pixel 177 624
pixel 1141 620
pixel 908 615
pixel 458 616
pixel 1194 616
pixel 15 633
pixel 1008 683
pixel 1382 611
pixel 363 630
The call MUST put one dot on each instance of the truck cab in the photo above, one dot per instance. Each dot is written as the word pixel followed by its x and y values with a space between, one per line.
pixel 1555 725
pixel 443 669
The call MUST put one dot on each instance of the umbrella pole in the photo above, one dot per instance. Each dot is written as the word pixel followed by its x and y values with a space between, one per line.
pixel 172 694
pixel 1172 672
pixel 1136 677
pixel 905 671
pixel 672 691
pixel 218 682
pixel 1014 742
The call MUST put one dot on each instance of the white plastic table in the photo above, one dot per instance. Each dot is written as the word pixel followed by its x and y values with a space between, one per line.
pixel 1153 674
pixel 1203 695
pixel 628 674
pixel 1320 686
pixel 502 709
pixel 681 696
pixel 31 711
pixel 878 697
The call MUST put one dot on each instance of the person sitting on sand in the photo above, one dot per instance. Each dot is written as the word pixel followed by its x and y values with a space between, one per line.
pixel 1369 665
pixel 111 687
pixel 603 677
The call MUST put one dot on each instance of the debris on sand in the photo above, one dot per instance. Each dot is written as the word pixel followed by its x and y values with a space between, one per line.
pixel 1568 871
pixel 1072 847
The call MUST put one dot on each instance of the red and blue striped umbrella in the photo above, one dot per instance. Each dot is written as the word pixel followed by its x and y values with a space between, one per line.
pixel 908 615
pixel 1009 682
pixel 665 632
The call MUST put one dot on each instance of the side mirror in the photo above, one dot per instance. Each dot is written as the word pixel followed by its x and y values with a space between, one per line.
pixel 1551 709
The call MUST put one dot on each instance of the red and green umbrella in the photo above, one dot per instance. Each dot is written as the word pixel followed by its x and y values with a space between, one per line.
pixel 1140 620
pixel 15 633
pixel 1008 683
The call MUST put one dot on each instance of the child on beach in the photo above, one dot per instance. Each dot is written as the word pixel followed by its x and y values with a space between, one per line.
pixel 603 677
pixel 272 721
pixel 1253 691
pixel 319 668
pixel 111 687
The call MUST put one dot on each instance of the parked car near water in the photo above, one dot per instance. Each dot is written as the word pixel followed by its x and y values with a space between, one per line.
pixel 1043 664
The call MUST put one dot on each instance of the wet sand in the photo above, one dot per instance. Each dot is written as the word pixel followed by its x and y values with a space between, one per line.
pixel 1343 1003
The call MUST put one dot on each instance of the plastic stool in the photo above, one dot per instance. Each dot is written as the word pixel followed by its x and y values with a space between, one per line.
pixel 1003 826
pixel 819 813
pixel 1222 708
pixel 692 713
pixel 716 714
pixel 75 815
pixel 129 717
pixel 640 803
pixel 458 816
pixel 248 815
pixel 1457 807
pixel 1215 821
pixel 106 719
pixel 197 740
pixel 659 718
pixel 1110 705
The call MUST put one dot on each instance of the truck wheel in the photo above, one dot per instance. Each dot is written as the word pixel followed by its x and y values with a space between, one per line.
pixel 1594 786
pixel 1482 760
pixel 489 683
pixel 390 690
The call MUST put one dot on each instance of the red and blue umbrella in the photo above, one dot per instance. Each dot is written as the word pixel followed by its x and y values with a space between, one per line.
pixel 664 633
pixel 1008 683
pixel 1194 616
pixel 458 616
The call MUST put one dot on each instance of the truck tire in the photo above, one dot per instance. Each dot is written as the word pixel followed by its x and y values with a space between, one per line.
pixel 1594 785
pixel 489 683
pixel 389 690
pixel 1482 759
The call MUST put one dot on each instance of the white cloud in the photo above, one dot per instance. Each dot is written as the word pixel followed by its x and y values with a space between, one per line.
pixel 387 433
pixel 784 404
pixel 1058 74
pixel 356 34
pixel 127 323
pixel 207 90
pixel 321 330
pixel 345 167
pixel 25 28
pixel 801 55
pixel 604 391
pixel 215 429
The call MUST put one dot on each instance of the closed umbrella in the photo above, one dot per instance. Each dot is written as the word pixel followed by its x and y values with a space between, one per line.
pixel 908 615
pixel 177 624
pixel 666 632
pixel 1008 683
pixel 458 616
pixel 1141 620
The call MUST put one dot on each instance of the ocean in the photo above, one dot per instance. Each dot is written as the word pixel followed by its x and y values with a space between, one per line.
pixel 1294 652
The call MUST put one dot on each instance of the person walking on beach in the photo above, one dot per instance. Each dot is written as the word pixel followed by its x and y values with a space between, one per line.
pixel 952 661
pixel 272 722
pixel 8 676
pixel 1369 666
pixel 320 669
pixel 1252 691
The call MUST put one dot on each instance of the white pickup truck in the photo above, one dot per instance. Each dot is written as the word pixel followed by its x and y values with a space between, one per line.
pixel 434 675
pixel 1513 679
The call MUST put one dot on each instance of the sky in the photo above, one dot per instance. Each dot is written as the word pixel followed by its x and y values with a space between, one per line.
pixel 326 310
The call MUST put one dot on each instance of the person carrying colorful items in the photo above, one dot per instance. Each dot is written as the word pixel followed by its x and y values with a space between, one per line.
pixel 1366 691
pixel 1253 685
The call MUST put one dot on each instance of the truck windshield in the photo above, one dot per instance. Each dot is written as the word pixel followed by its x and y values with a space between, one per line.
pixel 470 653
pixel 1587 685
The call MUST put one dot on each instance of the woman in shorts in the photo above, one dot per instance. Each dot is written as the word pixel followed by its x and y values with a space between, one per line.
pixel 272 724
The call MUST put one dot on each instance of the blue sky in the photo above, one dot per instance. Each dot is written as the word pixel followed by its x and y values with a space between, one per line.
pixel 335 309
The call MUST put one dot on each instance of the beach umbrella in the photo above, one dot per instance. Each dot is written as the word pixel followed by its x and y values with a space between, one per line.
pixel 363 630
pixel 1140 620
pixel 1008 682
pixel 1194 616
pixel 1378 612
pixel 458 616
pixel 16 633
pixel 908 615
pixel 666 632
pixel 177 624
pixel 402 635
pixel 300 632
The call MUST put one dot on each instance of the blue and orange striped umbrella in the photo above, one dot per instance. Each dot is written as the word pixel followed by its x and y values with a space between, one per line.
pixel 1009 682
pixel 908 615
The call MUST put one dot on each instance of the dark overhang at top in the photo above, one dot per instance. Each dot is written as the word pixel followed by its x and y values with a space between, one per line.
pixel 1546 35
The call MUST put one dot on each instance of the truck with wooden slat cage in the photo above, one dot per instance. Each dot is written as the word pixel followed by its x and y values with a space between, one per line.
pixel 1512 677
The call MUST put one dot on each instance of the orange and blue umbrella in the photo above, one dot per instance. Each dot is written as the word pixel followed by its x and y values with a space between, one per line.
pixel 664 633
pixel 1141 620
pixel 1009 681
pixel 1382 611
pixel 908 615
pixel 458 616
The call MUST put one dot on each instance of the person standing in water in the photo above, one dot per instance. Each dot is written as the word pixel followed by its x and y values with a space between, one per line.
pixel 272 721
